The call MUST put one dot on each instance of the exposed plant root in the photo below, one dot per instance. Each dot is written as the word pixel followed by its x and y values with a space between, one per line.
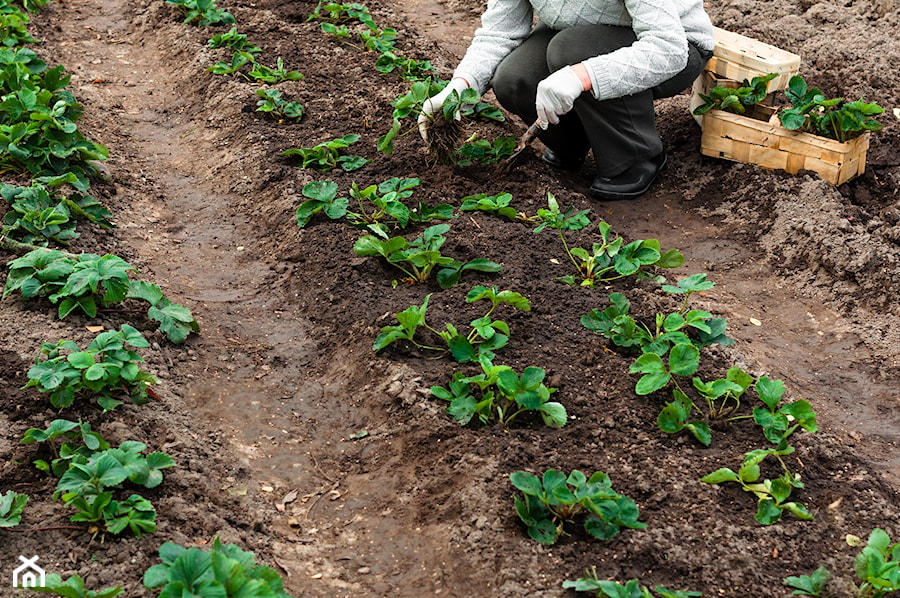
pixel 444 137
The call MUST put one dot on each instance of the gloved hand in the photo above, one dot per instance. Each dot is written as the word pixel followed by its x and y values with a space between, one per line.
pixel 557 93
pixel 433 104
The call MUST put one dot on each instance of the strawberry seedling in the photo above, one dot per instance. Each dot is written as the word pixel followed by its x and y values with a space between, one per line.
pixel 878 566
pixel 216 572
pixel 203 12
pixel 771 494
pixel 14 27
pixel 11 506
pixel 502 396
pixel 492 204
pixel 555 499
pixel 604 588
pixel 418 258
pixel 326 156
pixel 79 445
pixel 106 371
pixel 237 42
pixel 72 588
pixel 37 217
pixel 272 103
pixel 779 422
pixel 483 151
pixel 408 68
pixel 486 336
pixel 836 118
pixel 736 100
pixel 809 585
pixel 387 207
pixel 272 75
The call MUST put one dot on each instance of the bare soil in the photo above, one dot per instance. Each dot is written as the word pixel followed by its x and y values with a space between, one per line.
pixel 281 397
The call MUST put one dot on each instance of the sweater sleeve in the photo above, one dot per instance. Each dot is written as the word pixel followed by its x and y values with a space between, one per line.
pixel 504 26
pixel 660 52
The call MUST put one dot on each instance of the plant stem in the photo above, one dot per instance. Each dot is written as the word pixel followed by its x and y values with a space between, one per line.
pixel 23 248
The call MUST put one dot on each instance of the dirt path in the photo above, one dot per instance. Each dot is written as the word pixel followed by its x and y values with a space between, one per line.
pixel 364 487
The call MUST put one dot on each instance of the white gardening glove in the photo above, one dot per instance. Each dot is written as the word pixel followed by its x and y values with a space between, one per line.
pixel 433 104
pixel 557 94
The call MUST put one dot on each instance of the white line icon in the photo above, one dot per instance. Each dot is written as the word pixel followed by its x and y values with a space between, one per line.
pixel 28 575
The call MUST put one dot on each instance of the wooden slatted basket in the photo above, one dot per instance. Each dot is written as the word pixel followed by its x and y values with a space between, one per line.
pixel 768 144
pixel 739 57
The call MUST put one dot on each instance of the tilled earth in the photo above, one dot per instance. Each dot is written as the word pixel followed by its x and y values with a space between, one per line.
pixel 334 464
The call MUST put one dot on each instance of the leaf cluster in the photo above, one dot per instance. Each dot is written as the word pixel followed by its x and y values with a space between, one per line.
pixel 257 72
pixel 89 282
pixel 203 12
pixel 11 506
pixel 771 494
pixel 810 585
pixel 73 588
pixel 833 118
pixel 68 441
pixel 484 151
pixel 234 41
pixel 604 588
pixel 417 259
pixel 13 26
pixel 225 571
pixel 272 103
pixel 878 566
pixel 39 215
pixel 498 395
pixel 38 134
pixel 736 100
pixel 554 499
pixel 486 334
pixel 106 370
pixel 326 156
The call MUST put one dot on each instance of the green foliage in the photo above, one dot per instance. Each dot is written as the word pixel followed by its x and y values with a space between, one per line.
pixel 72 588
pixel 771 494
pixel 780 421
pixel 13 26
pixel 491 204
pixel 405 106
pixel 38 134
pixel 483 151
pixel 272 75
pixel 326 156
pixel 486 335
pixel 554 499
pixel 736 100
pixel 105 371
pixel 203 12
pixel 418 258
pixel 381 207
pixel 79 444
pixel 407 68
pixel 234 41
pixel 810 585
pixel 37 217
pixel 334 12
pixel 500 395
pixel 836 118
pixel 878 566
pixel 604 588
pixel 225 571
pixel 11 506
pixel 89 282
pixel 608 260
pixel 272 103
pixel 322 198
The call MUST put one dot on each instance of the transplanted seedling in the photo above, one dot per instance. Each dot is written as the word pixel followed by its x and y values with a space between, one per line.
pixel 551 501
pixel 11 506
pixel 326 156
pixel 79 444
pixel 878 566
pixel 772 494
pixel 604 588
pixel 498 395
pixel 418 258
pixel 810 585
pixel 73 587
pixel 272 103
pixel 486 334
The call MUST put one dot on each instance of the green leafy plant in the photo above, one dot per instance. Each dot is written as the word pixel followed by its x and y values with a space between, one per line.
pixel 878 566
pixel 272 103
pixel 37 217
pixel 835 118
pixel 326 156
pixel 604 588
pixel 551 501
pixel 272 75
pixel 772 494
pixel 408 68
pixel 322 198
pixel 239 60
pixel 105 371
pixel 335 12
pixel 14 27
pixel 486 335
pixel 90 282
pixel 736 100
pixel 502 395
pixel 203 12
pixel 381 206
pixel 484 151
pixel 234 41
pixel 418 258
pixel 11 506
pixel 79 444
pixel 780 421
pixel 225 571
pixel 810 585
pixel 72 588
pixel 492 204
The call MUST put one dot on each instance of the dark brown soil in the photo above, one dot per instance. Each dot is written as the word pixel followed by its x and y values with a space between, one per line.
pixel 281 396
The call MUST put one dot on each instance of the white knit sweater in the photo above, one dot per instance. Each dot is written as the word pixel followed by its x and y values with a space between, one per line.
pixel 663 29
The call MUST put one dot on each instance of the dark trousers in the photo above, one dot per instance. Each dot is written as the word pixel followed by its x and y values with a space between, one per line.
pixel 619 131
